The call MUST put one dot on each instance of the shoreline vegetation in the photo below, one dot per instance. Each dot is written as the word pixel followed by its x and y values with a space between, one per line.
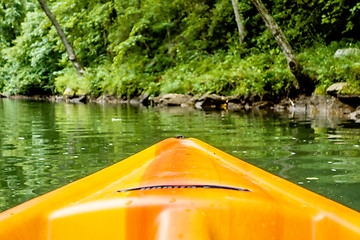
pixel 206 54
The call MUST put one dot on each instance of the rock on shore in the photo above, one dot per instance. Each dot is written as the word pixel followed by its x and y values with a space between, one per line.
pixel 323 105
pixel 173 99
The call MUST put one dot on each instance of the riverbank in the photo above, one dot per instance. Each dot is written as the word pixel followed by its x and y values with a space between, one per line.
pixel 312 106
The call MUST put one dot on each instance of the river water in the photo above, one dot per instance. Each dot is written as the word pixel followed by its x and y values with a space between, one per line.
pixel 46 145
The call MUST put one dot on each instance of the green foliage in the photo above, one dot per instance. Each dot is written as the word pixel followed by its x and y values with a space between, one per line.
pixel 227 73
pixel 180 46
pixel 69 78
pixel 320 62
pixel 122 81
pixel 12 14
pixel 30 63
pixel 354 79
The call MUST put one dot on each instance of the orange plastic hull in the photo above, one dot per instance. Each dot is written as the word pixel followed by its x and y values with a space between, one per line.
pixel 180 189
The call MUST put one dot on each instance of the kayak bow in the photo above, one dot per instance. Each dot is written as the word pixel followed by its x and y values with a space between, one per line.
pixel 180 189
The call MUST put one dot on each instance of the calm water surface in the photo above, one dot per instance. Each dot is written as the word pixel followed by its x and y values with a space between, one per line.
pixel 46 145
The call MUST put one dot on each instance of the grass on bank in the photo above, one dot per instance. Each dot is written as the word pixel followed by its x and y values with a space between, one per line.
pixel 223 72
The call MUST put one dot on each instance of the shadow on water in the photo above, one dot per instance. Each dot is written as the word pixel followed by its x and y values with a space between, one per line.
pixel 46 145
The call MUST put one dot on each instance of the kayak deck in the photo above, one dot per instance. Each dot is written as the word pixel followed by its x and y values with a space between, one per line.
pixel 180 189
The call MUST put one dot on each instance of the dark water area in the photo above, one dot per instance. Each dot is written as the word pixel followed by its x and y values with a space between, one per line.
pixel 46 145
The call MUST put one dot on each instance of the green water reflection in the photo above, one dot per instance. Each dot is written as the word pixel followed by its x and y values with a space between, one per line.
pixel 46 145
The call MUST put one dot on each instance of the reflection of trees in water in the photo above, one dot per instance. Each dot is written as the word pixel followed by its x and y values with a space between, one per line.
pixel 26 127
pixel 46 145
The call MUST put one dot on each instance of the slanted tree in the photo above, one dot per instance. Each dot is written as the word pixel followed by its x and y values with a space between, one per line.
pixel 70 50
pixel 305 84
pixel 239 21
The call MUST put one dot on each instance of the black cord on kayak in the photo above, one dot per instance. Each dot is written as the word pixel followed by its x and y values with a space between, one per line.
pixel 184 186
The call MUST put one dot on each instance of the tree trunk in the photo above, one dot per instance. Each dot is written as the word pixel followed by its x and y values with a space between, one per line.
pixel 305 84
pixel 72 56
pixel 239 22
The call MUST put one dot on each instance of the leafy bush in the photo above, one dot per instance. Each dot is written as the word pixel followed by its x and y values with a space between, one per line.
pixel 319 61
pixel 226 73
pixel 68 78
pixel 181 46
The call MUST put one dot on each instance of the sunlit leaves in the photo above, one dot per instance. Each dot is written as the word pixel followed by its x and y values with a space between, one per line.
pixel 170 45
pixel 30 62
pixel 12 13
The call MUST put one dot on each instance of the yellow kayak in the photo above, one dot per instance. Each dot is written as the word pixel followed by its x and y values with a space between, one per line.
pixel 180 189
